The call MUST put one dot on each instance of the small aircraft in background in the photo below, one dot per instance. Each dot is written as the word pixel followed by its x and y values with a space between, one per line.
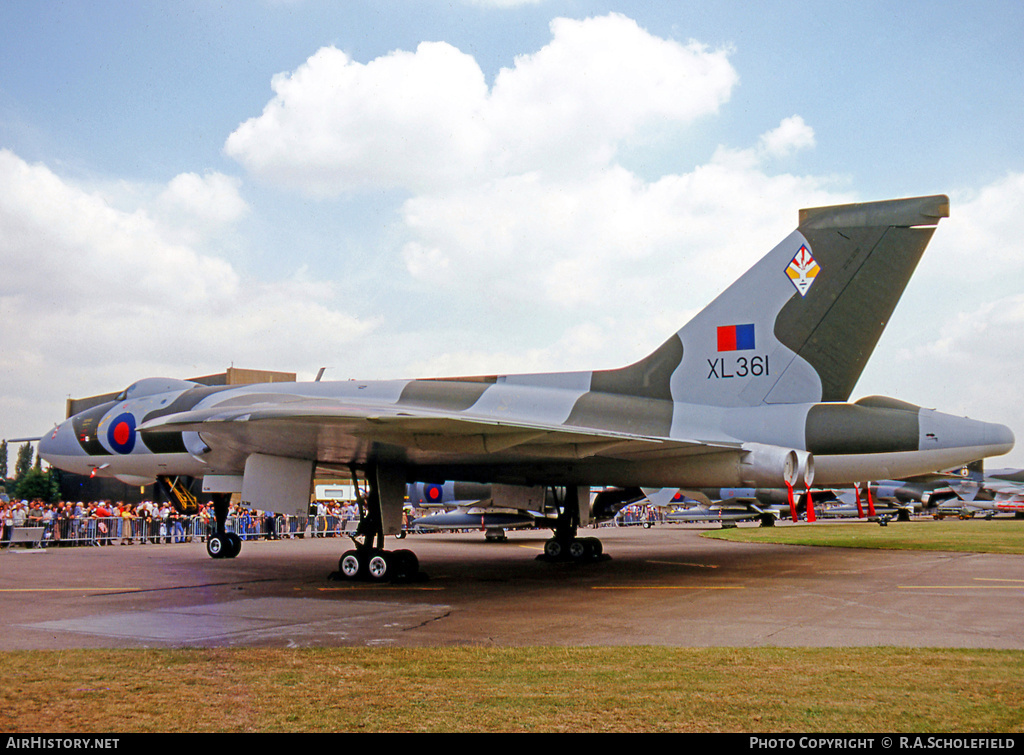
pixel 986 494
pixel 471 506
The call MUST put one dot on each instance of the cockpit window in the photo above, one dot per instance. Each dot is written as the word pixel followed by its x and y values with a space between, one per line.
pixel 153 386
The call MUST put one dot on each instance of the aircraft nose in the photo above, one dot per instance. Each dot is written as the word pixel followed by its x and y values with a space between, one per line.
pixel 948 431
pixel 1001 436
pixel 60 443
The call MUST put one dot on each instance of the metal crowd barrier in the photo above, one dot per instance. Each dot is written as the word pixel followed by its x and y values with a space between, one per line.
pixel 90 531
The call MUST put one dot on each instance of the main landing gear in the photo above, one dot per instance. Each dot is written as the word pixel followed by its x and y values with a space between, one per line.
pixel 565 545
pixel 377 565
pixel 369 560
pixel 571 548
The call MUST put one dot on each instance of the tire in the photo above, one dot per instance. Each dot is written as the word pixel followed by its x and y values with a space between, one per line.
pixel 350 565
pixel 216 547
pixel 553 548
pixel 233 546
pixel 404 564
pixel 379 566
pixel 577 550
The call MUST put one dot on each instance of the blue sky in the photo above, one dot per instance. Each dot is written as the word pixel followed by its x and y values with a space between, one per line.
pixel 541 186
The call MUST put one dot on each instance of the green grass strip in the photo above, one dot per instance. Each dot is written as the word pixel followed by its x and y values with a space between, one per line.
pixel 534 689
pixel 972 536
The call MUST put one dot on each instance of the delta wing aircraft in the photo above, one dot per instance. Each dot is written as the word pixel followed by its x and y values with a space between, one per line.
pixel 751 392
pixel 471 506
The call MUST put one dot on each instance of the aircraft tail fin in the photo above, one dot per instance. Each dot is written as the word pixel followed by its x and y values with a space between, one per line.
pixel 866 255
pixel 800 325
pixel 975 471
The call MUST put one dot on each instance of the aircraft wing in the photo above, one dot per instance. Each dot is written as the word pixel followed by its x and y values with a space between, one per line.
pixel 343 432
pixel 660 497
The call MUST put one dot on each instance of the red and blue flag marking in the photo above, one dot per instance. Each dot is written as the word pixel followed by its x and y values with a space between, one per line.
pixel 736 337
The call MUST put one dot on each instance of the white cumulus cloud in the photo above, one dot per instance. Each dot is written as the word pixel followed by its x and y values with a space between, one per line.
pixel 213 198
pixel 107 291
pixel 426 120
pixel 791 136
pixel 407 119
pixel 516 194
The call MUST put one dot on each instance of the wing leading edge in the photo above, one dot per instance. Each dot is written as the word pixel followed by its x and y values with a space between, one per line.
pixel 341 433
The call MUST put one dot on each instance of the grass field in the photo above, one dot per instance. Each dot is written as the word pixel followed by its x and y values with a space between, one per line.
pixel 972 535
pixel 543 689
pixel 622 689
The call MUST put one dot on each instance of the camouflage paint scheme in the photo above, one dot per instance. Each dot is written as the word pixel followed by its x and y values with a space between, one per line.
pixel 750 393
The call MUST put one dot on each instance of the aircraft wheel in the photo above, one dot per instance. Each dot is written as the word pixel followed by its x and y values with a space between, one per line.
pixel 379 566
pixel 553 548
pixel 216 547
pixel 233 546
pixel 350 566
pixel 404 564
pixel 577 549
pixel 594 547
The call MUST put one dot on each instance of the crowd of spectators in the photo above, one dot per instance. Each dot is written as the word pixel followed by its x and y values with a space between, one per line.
pixel 111 523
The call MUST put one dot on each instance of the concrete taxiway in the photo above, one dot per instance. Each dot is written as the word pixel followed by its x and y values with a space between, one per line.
pixel 664 586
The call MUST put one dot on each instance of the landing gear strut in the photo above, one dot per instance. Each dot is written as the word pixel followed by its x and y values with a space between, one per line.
pixel 222 544
pixel 179 495
pixel 565 545
pixel 369 560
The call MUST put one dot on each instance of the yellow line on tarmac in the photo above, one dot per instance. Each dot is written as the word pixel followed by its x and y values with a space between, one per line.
pixel 961 587
pixel 671 587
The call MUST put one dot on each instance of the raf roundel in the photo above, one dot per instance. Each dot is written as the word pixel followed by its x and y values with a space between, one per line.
pixel 121 434
pixel 433 493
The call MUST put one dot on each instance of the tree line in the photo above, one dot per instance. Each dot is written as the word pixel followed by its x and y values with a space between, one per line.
pixel 30 480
